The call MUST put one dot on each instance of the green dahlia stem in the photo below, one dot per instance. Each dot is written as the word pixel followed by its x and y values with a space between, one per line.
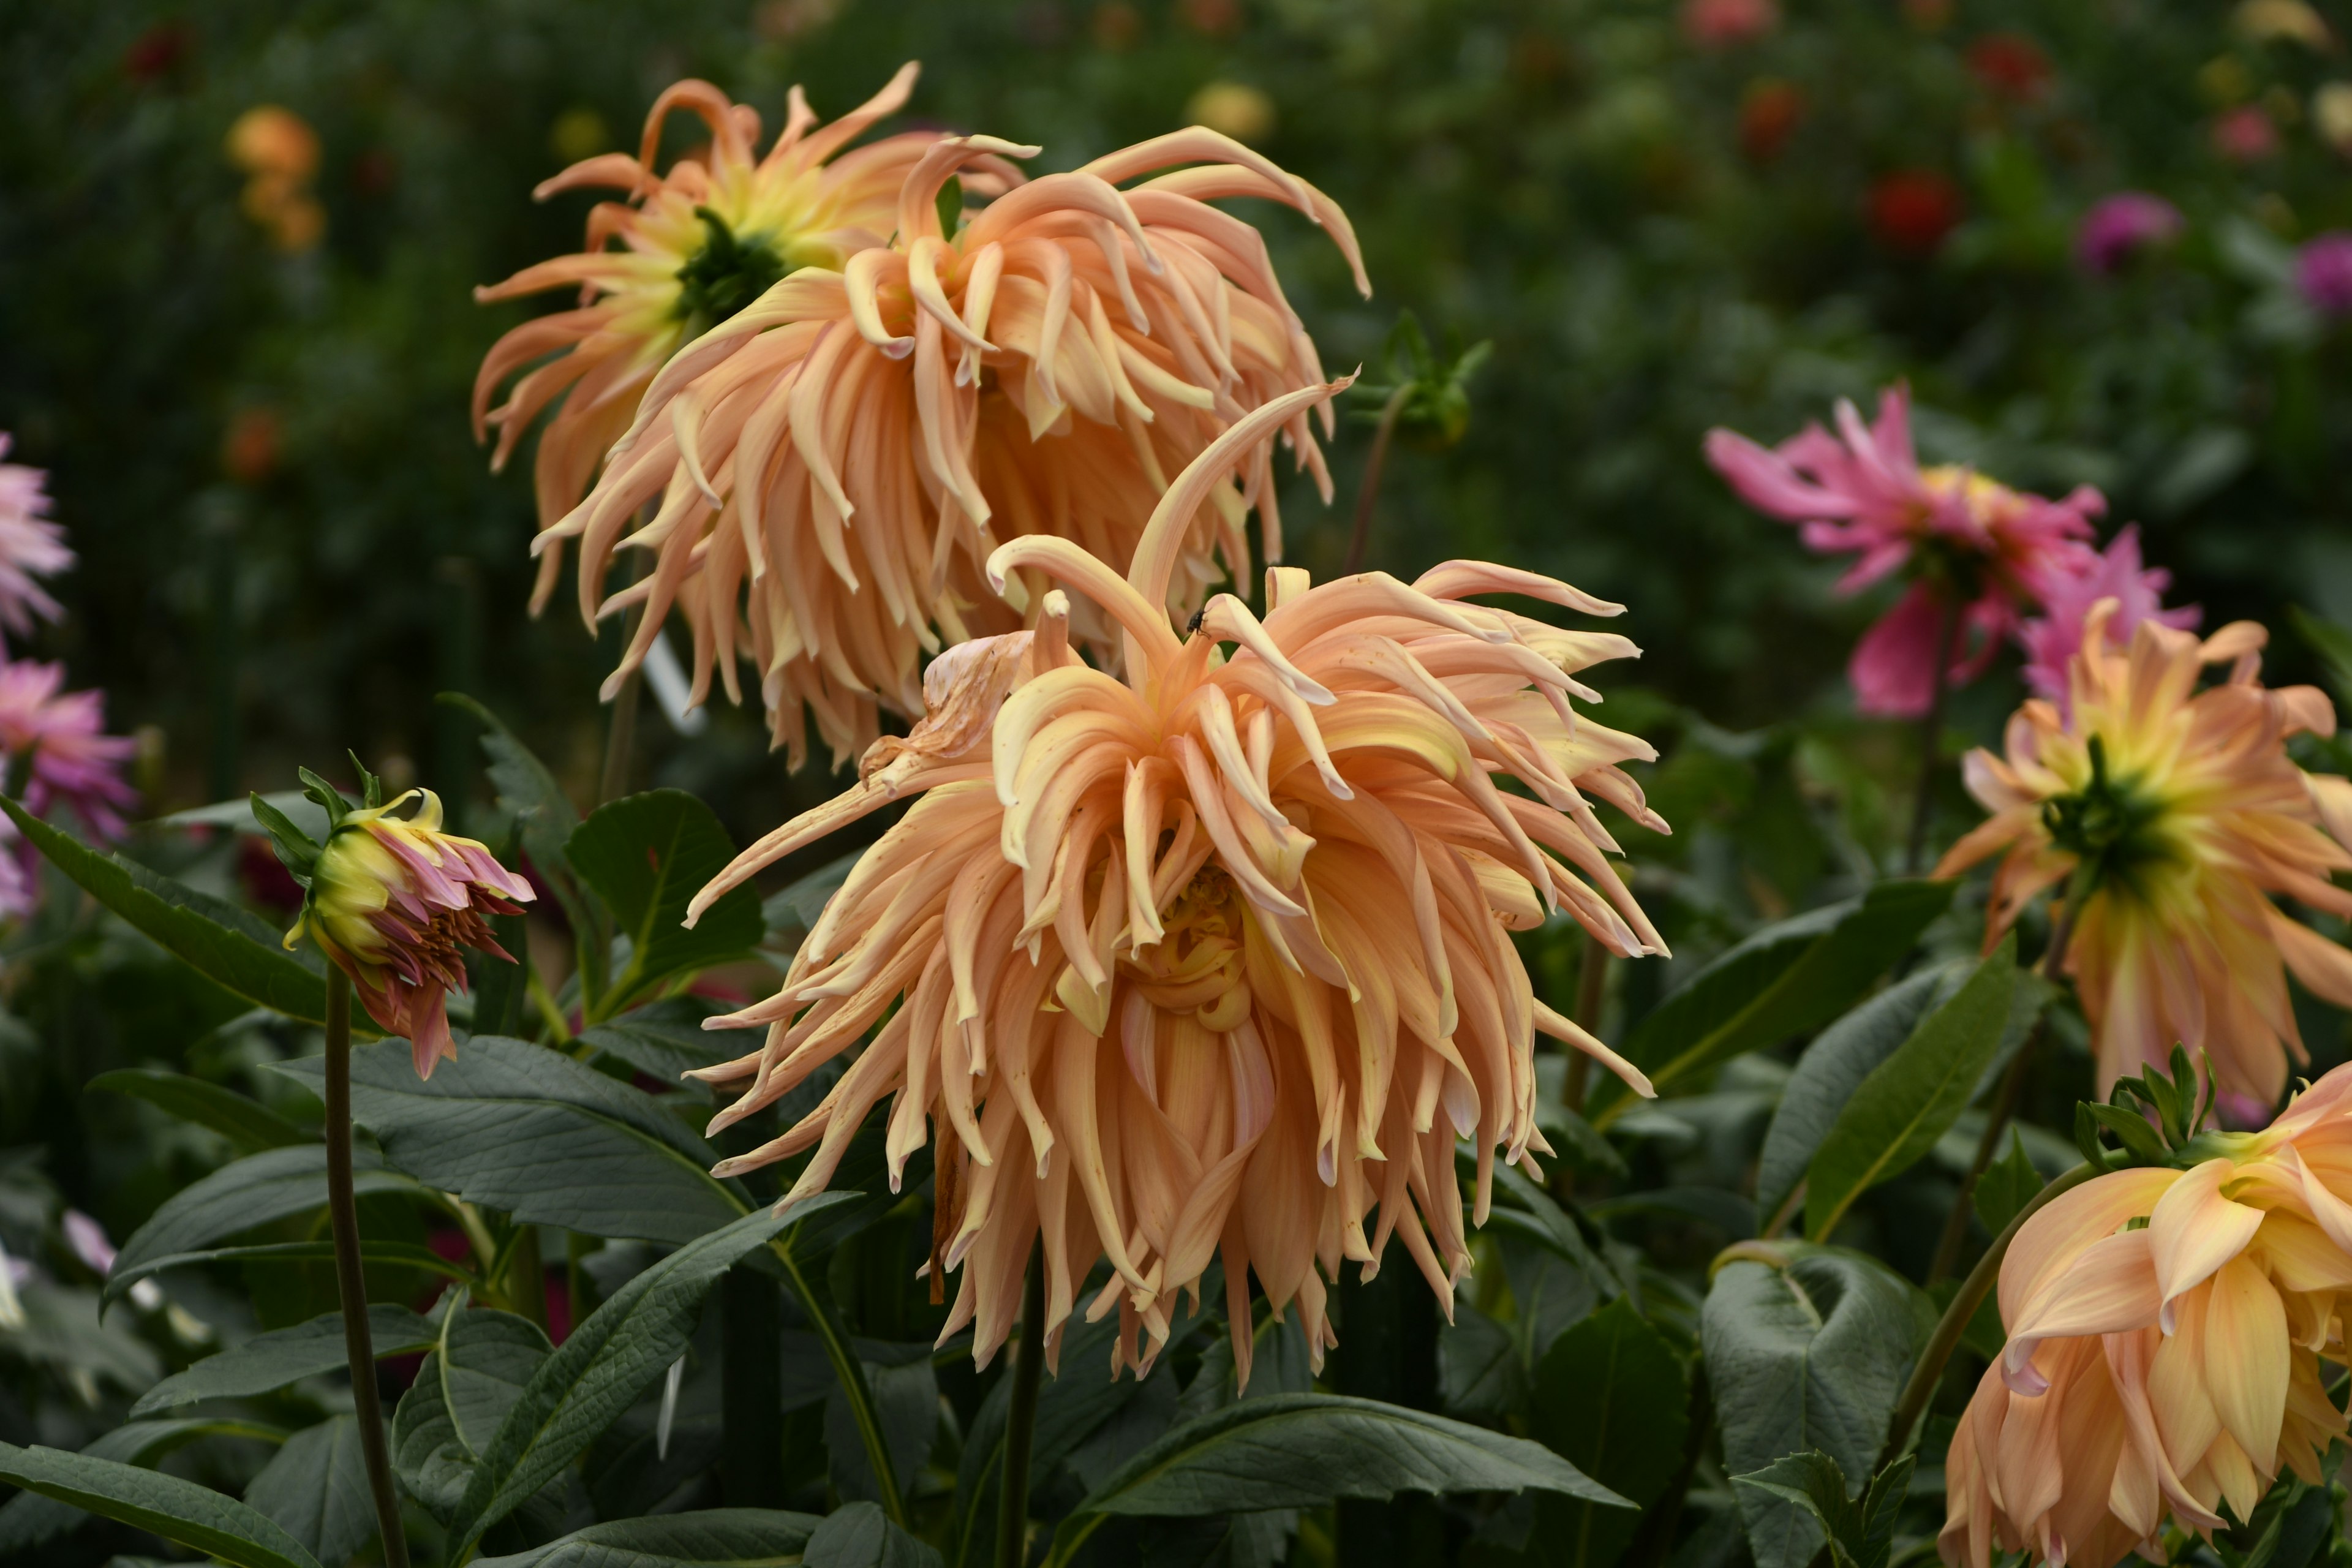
pixel 1955 1320
pixel 1931 738
pixel 1021 1417
pixel 852 1373
pixel 1368 489
pixel 351 1282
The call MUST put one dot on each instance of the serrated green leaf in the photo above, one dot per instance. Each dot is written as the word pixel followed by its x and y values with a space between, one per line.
pixel 1897 1113
pixel 272 1361
pixel 316 1489
pixel 480 1363
pixel 665 1040
pixel 607 1360
pixel 216 938
pixel 646 855
pixel 714 1537
pixel 1612 1398
pixel 194 1516
pixel 1784 980
pixel 245 1122
pixel 529 1130
pixel 862 1536
pixel 237 1197
pixel 30 1520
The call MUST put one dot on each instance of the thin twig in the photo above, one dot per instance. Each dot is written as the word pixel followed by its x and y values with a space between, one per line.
pixel 1368 489
pixel 2003 1108
pixel 1931 737
pixel 1955 1320
pixel 1021 1417
pixel 351 1280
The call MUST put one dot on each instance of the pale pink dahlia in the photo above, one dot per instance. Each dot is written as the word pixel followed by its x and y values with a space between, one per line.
pixel 2067 594
pixel 59 745
pixel 30 546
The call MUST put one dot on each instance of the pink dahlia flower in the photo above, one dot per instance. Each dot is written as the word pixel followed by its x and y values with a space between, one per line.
pixel 2067 594
pixel 73 763
pixel 1863 492
pixel 30 546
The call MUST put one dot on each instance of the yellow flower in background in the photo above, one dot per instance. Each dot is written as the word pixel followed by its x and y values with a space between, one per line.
pixel 1233 109
pixel 1212 958
pixel 2291 20
pixel 2166 1330
pixel 2174 815
pixel 819 480
pixel 390 900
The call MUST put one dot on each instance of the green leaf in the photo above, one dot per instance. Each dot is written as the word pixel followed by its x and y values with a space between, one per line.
pixel 715 1538
pixel 1904 1105
pixel 317 1487
pixel 482 1362
pixel 195 1517
pixel 2007 1186
pixel 219 941
pixel 1806 1347
pixel 272 1361
pixel 30 1519
pixel 2131 1130
pixel 862 1536
pixel 1785 980
pixel 1479 1375
pixel 623 1346
pixel 389 1254
pixel 527 1129
pixel 1611 1398
pixel 1861 1530
pixel 237 1197
pixel 544 813
pixel 1303 1450
pixel 2331 643
pixel 906 1402
pixel 795 907
pixel 1829 1072
pixel 646 855
pixel 247 1123
pixel 665 1040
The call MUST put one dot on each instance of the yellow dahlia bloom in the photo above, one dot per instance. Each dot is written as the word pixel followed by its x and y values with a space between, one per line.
pixel 391 900
pixel 820 479
pixel 2181 815
pixel 683 251
pixel 1236 922
pixel 2166 1330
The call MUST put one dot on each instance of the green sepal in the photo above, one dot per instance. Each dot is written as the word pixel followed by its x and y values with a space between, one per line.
pixel 296 850
pixel 330 799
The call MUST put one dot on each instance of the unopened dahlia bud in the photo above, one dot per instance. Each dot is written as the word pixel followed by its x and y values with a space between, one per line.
pixel 390 900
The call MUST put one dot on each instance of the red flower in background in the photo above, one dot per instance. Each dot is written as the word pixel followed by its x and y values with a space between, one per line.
pixel 1769 114
pixel 1725 24
pixel 2010 66
pixel 2246 135
pixel 1912 211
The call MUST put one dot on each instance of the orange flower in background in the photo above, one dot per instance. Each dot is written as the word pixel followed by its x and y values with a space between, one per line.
pixel 828 471
pixel 1234 921
pixel 2182 813
pixel 695 245
pixel 279 154
pixel 2165 1333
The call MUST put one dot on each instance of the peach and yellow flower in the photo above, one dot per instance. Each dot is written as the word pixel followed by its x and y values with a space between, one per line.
pixel 819 480
pixel 1234 921
pixel 2166 1334
pixel 695 246
pixel 2173 815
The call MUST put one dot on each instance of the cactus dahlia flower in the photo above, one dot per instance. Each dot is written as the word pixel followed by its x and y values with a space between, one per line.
pixel 2178 815
pixel 31 546
pixel 696 246
pixel 1963 539
pixel 1236 922
pixel 820 479
pixel 390 900
pixel 60 741
pixel 2165 1333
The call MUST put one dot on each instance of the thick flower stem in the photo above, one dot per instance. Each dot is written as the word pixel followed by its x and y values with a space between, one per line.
pixel 1368 489
pixel 1592 979
pixel 1997 1115
pixel 1955 1320
pixel 1931 738
pixel 621 739
pixel 351 1282
pixel 1021 1417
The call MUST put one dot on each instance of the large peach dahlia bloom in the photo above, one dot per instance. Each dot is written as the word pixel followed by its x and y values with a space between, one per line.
pixel 1234 921
pixel 2166 1334
pixel 2176 815
pixel 825 473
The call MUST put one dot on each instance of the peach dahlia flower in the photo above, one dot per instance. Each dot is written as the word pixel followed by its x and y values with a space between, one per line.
pixel 2166 1334
pixel 2184 816
pixel 824 476
pixel 1234 922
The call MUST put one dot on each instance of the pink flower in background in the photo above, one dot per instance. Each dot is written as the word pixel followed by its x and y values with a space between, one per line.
pixel 30 546
pixel 2119 226
pixel 73 763
pixel 1725 24
pixel 1863 492
pixel 2067 594
pixel 2246 135
pixel 2323 273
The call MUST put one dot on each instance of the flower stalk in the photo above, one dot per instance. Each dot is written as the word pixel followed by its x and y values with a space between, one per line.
pixel 1931 738
pixel 1021 1418
pixel 350 1282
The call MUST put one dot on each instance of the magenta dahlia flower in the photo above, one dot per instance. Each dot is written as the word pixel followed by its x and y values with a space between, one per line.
pixel 1964 540
pixel 2069 590
pixel 60 741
